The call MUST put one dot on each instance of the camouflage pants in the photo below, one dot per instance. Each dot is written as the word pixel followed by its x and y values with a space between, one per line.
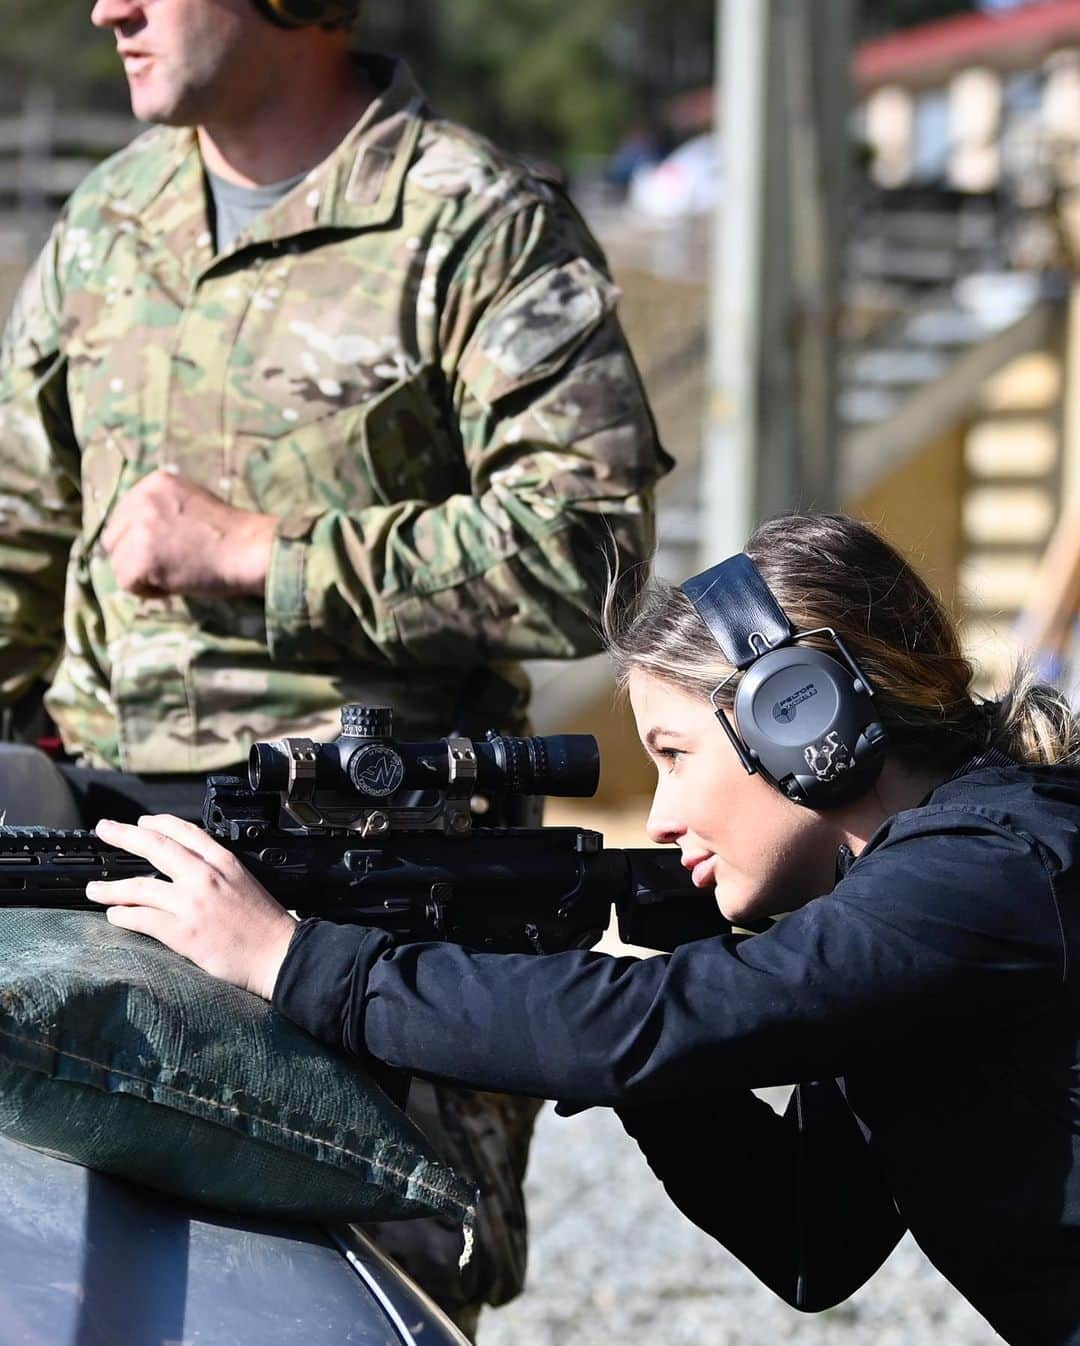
pixel 486 1138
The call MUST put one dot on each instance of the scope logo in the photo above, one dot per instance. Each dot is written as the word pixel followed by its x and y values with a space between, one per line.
pixel 377 770
pixel 787 707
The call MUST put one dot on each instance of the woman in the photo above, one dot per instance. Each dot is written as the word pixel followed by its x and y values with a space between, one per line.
pixel 922 992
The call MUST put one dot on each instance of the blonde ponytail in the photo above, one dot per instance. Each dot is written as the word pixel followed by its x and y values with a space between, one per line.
pixel 1034 722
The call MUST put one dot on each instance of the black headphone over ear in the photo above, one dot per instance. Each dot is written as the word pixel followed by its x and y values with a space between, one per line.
pixel 309 13
pixel 805 720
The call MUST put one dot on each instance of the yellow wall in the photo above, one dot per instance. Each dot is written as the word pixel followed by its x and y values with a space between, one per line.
pixel 918 508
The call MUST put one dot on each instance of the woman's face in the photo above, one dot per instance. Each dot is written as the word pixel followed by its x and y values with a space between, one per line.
pixel 739 836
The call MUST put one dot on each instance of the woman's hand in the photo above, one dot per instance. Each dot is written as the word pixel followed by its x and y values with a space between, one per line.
pixel 213 911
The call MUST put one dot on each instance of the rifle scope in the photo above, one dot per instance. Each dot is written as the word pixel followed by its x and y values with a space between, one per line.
pixel 368 762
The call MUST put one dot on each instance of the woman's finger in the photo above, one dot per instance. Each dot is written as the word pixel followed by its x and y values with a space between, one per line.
pixel 189 835
pixel 140 891
pixel 158 925
pixel 169 857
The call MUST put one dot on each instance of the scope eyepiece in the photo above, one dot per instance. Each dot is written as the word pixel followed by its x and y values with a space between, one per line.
pixel 268 766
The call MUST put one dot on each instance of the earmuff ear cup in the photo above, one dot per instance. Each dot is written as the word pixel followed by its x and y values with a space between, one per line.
pixel 810 726
pixel 805 720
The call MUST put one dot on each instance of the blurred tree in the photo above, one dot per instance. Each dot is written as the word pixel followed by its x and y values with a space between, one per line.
pixel 563 78
pixel 877 17
pixel 51 42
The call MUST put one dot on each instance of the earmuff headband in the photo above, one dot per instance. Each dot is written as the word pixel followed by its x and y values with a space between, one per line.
pixel 739 609
pixel 308 13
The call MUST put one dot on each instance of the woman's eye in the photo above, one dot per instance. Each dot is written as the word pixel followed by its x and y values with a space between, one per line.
pixel 669 755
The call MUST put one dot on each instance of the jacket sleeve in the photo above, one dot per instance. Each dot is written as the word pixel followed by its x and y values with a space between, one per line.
pixel 40 507
pixel 560 456
pixel 797 1198
pixel 930 943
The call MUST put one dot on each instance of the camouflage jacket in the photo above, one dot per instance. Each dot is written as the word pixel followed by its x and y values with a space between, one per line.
pixel 412 360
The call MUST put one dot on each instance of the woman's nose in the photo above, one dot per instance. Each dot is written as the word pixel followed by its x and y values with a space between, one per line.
pixel 661 826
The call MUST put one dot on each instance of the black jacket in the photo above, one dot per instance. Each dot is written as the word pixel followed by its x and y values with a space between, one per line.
pixel 929 1006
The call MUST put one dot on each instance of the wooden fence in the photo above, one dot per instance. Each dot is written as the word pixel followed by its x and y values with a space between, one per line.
pixel 44 155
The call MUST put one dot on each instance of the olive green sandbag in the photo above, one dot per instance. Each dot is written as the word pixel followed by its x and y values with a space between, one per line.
pixel 120 1055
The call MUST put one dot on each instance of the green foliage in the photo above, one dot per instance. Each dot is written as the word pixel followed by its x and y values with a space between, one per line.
pixel 884 16
pixel 52 43
pixel 558 77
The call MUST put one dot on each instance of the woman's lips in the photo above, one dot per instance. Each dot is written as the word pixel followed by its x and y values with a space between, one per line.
pixel 701 872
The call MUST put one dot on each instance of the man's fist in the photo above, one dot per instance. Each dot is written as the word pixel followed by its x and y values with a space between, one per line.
pixel 169 536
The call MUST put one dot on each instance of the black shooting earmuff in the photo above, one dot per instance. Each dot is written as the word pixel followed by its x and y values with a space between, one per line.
pixel 806 721
pixel 309 13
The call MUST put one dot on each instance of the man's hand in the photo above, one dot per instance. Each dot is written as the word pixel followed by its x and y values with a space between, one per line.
pixel 213 911
pixel 168 535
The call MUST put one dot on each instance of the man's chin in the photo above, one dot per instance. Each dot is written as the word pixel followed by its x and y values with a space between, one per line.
pixel 153 116
pixel 158 110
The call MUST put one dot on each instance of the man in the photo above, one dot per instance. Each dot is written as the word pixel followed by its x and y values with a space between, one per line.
pixel 311 398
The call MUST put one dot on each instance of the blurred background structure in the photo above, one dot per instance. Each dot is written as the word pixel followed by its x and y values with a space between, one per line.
pixel 883 324
pixel 847 234
pixel 891 327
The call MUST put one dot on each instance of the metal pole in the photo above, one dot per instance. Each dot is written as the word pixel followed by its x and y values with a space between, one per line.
pixel 731 414
pixel 816 50
pixel 770 432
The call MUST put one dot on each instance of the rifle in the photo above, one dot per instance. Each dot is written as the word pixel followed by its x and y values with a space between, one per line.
pixel 371 830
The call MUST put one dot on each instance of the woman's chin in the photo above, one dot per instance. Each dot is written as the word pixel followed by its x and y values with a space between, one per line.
pixel 739 908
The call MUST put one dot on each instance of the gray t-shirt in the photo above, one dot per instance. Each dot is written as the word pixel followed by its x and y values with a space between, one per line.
pixel 235 207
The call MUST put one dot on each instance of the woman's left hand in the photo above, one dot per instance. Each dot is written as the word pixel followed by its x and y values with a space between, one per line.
pixel 212 911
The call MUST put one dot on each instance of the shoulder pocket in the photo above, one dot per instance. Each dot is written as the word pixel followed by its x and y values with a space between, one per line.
pixel 534 331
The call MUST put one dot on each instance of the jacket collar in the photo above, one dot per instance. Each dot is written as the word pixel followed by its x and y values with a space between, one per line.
pixel 982 761
pixel 357 186
pixel 989 758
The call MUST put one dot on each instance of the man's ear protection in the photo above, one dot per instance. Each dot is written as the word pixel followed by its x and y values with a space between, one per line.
pixel 805 720
pixel 309 13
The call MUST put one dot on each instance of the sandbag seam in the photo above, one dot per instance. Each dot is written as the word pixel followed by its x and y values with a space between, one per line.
pixel 216 1105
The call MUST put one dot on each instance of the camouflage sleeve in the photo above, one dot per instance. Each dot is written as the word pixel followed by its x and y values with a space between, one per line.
pixel 561 455
pixel 39 480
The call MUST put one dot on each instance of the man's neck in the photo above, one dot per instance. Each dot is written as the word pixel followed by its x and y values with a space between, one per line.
pixel 294 128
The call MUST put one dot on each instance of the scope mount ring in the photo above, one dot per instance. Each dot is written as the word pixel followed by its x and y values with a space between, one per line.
pixel 462 769
pixel 303 755
pixel 462 773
